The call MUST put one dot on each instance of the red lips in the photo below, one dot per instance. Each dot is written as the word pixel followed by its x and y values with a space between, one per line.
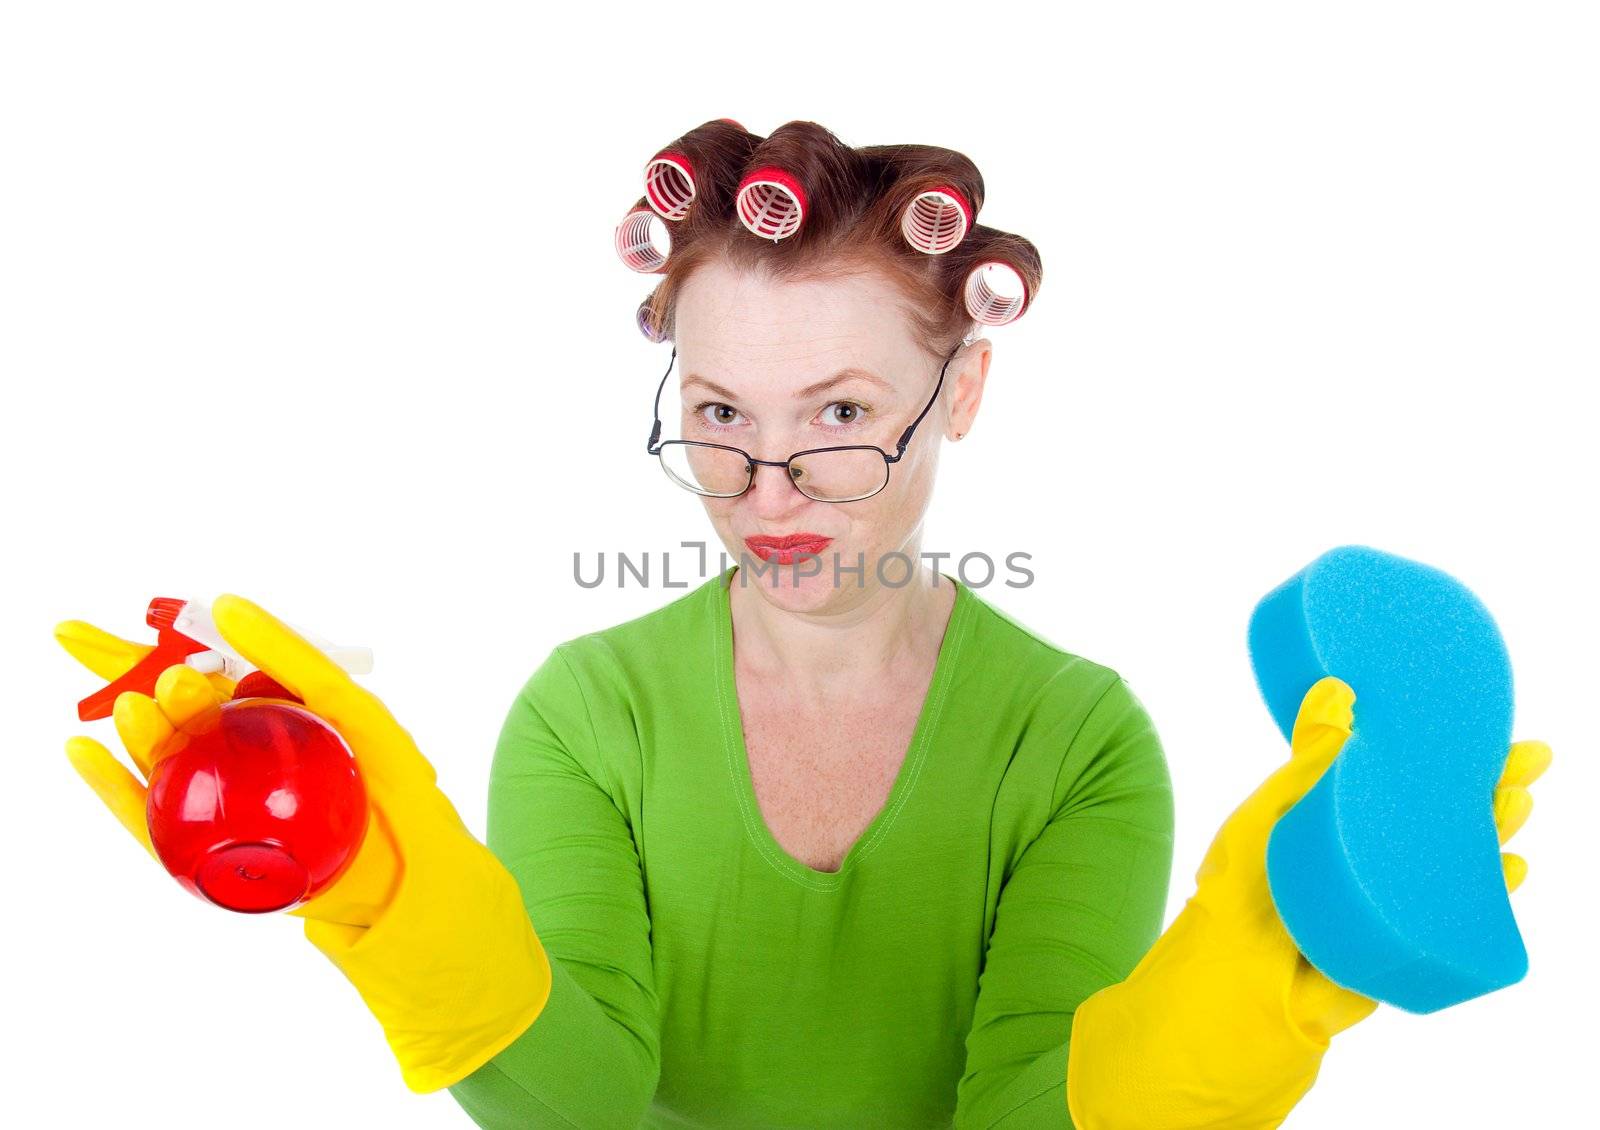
pixel 784 550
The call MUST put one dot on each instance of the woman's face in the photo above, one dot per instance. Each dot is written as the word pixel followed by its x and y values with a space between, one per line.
pixel 779 367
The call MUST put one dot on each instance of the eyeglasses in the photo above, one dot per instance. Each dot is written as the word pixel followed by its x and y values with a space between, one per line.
pixel 827 474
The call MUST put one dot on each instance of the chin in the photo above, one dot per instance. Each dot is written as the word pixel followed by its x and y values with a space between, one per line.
pixel 802 584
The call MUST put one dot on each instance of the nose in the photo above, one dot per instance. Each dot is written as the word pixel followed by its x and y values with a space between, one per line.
pixel 773 486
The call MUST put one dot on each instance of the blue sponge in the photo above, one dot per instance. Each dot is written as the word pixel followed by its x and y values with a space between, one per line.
pixel 1387 872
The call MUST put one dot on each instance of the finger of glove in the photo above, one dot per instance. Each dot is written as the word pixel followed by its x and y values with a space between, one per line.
pixel 108 656
pixel 221 684
pixel 1324 719
pixel 1322 725
pixel 388 758
pixel 187 698
pixel 146 725
pixel 1525 761
pixel 117 788
pixel 1512 806
pixel 1515 869
pixel 332 936
pixel 112 657
pixel 1321 1007
pixel 142 728
pixel 1321 728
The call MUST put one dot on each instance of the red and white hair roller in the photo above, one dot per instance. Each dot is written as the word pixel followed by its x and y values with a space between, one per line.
pixel 995 293
pixel 936 220
pixel 636 245
pixel 771 203
pixel 669 184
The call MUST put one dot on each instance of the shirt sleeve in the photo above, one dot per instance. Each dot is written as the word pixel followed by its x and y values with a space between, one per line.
pixel 592 1056
pixel 1083 903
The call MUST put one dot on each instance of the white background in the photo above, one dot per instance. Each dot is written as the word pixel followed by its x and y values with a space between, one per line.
pixel 316 303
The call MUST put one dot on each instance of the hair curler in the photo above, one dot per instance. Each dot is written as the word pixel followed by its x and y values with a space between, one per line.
pixel 669 176
pixel 771 203
pixel 636 245
pixel 647 324
pixel 185 633
pixel 995 293
pixel 669 184
pixel 936 219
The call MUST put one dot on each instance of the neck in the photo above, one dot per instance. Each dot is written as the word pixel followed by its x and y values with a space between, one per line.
pixel 840 649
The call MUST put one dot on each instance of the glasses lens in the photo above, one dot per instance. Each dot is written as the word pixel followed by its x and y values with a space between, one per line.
pixel 841 475
pixel 705 470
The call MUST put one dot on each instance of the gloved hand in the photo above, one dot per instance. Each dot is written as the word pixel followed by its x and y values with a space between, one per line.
pixel 426 922
pixel 145 724
pixel 1223 1024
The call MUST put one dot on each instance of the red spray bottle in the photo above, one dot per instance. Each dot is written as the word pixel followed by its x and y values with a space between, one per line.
pixel 256 805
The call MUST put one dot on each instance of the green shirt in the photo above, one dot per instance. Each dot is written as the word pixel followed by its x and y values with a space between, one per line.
pixel 702 976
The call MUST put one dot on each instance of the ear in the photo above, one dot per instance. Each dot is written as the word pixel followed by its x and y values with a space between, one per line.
pixel 967 375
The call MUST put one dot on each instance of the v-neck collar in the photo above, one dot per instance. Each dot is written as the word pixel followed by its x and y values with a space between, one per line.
pixel 738 756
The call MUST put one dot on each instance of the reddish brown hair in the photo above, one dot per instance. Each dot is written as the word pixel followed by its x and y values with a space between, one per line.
pixel 855 200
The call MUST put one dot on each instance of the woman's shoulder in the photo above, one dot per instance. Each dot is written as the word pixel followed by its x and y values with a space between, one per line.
pixel 1018 652
pixel 633 648
pixel 1082 732
pixel 688 612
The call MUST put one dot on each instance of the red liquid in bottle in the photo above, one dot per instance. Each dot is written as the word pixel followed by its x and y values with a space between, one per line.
pixel 258 806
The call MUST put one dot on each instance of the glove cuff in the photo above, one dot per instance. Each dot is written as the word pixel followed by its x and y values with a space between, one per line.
pixel 452 969
pixel 1152 1053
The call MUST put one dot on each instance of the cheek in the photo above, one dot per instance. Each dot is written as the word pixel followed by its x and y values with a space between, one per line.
pixel 910 484
pixel 720 509
pixel 882 521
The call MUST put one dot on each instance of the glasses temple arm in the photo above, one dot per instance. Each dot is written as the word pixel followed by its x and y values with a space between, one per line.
pixel 905 436
pixel 655 428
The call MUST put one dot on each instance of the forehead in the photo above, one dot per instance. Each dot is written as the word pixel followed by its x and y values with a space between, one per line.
pixel 746 330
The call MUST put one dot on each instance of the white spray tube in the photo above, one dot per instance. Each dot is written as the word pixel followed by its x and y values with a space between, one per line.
pixel 194 620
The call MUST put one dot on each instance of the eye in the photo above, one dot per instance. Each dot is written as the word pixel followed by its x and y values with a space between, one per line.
pixel 721 416
pixel 853 413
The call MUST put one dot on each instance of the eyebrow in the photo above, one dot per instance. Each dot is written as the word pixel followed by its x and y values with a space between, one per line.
pixel 839 378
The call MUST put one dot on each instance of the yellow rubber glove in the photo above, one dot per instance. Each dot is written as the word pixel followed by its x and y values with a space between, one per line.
pixel 1223 1024
pixel 426 923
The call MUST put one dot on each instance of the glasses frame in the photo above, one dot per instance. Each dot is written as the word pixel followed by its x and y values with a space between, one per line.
pixel 655 445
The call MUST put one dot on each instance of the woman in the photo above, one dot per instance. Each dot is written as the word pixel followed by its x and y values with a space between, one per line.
pixel 826 841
